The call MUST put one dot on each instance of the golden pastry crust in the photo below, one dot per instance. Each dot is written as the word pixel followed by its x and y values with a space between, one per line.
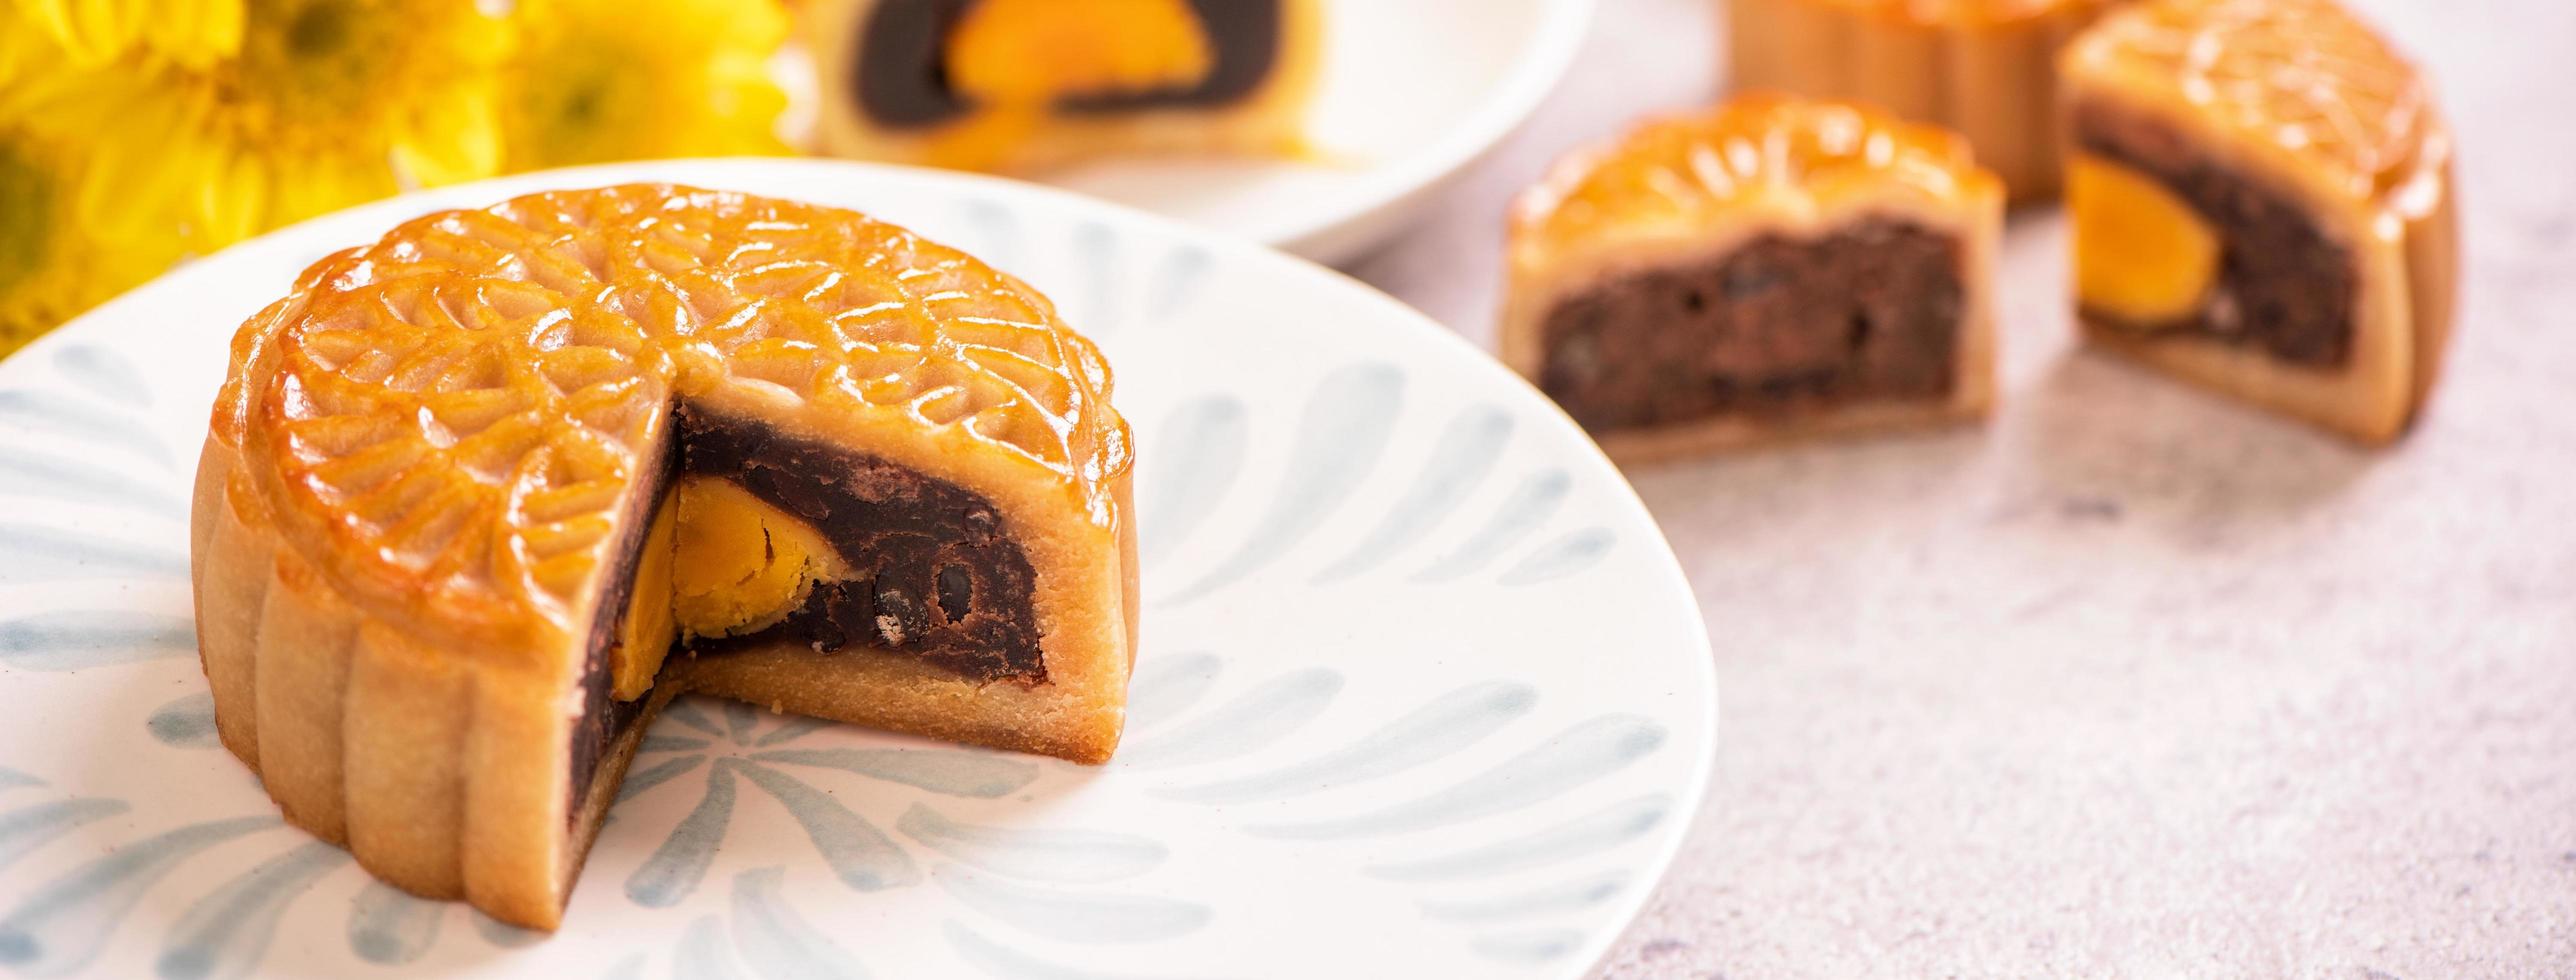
pixel 2301 97
pixel 1268 122
pixel 2302 78
pixel 424 460
pixel 1985 68
pixel 1692 188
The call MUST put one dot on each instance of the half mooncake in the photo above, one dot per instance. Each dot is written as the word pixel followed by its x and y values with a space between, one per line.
pixel 2261 198
pixel 1021 85
pixel 1771 267
pixel 478 499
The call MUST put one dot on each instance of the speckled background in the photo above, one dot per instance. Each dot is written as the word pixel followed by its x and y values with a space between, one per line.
pixel 2132 681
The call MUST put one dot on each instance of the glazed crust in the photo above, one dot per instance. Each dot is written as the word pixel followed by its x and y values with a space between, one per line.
pixel 400 543
pixel 1984 68
pixel 1688 190
pixel 2301 97
pixel 1270 122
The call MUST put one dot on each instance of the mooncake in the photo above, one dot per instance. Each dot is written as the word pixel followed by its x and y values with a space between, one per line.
pixel 1771 267
pixel 2261 203
pixel 478 499
pixel 1024 85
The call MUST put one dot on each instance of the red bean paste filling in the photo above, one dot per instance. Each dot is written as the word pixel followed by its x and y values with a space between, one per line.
pixel 605 719
pixel 934 576
pixel 1777 326
pixel 2283 285
pixel 901 76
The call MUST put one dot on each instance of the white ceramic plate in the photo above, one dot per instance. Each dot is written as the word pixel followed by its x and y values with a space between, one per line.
pixel 1412 92
pixel 1422 692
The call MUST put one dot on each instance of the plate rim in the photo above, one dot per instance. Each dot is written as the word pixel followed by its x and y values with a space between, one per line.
pixel 1546 55
pixel 1691 798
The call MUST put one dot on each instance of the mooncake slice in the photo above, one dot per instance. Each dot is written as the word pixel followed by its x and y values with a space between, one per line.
pixel 1771 267
pixel 1023 85
pixel 2260 194
pixel 1986 69
pixel 478 499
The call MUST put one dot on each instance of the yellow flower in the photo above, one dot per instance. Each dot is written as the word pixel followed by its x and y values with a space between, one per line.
pixel 593 81
pixel 330 103
pixel 76 224
pixel 92 33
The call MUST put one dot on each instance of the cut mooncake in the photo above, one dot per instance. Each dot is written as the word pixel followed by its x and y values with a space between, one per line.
pixel 478 499
pixel 2260 192
pixel 1986 69
pixel 1774 266
pixel 1021 85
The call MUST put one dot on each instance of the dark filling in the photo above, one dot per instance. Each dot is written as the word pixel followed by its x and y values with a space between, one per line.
pixel 934 576
pixel 604 719
pixel 902 71
pixel 2283 285
pixel 1777 326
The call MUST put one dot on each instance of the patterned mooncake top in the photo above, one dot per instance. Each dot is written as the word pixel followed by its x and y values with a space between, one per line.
pixel 464 404
pixel 2305 76
pixel 1756 151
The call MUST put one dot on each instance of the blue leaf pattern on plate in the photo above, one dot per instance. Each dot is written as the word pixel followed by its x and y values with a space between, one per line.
pixel 388 926
pixel 1167 685
pixel 1191 471
pixel 1339 439
pixel 30 827
pixel 36 554
pixel 80 639
pixel 1081 856
pixel 681 862
pixel 637 781
pixel 1460 459
pixel 1564 897
pixel 63 925
pixel 188 722
pixel 104 372
pixel 1530 505
pixel 777 942
pixel 503 934
pixel 701 952
pixel 1449 723
pixel 1582 754
pixel 1561 557
pixel 1583 836
pixel 859 854
pixel 227 932
pixel 1250 722
pixel 33 474
pixel 1529 947
pixel 31 411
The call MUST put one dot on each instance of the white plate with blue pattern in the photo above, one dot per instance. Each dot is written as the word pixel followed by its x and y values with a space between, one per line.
pixel 1422 691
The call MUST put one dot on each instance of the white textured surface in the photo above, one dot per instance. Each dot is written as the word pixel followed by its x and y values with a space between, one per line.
pixel 2132 681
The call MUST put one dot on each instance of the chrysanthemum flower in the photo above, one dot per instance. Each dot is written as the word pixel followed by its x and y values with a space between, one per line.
pixel 81 219
pixel 92 33
pixel 592 82
pixel 332 102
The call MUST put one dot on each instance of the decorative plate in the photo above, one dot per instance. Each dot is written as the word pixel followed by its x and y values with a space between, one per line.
pixel 1394 117
pixel 1422 691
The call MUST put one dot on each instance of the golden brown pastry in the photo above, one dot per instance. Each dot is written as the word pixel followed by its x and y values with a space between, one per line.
pixel 2261 203
pixel 1022 85
pixel 1984 68
pixel 479 498
pixel 1770 267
